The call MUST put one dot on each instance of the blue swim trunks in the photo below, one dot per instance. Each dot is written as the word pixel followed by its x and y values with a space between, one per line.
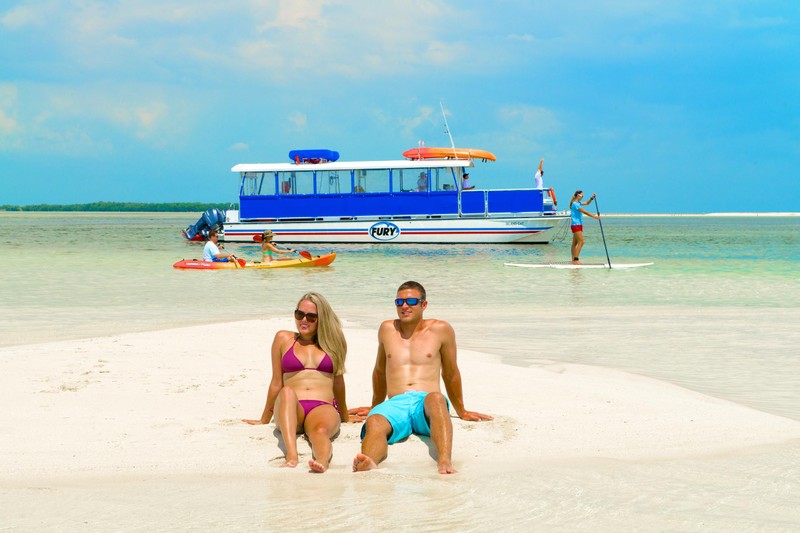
pixel 406 413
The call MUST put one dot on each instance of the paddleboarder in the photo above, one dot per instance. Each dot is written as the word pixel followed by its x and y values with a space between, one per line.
pixel 577 212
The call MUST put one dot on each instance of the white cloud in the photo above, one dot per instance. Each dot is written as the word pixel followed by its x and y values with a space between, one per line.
pixel 7 124
pixel 298 120
pixel 530 118
pixel 424 117
pixel 87 120
pixel 26 15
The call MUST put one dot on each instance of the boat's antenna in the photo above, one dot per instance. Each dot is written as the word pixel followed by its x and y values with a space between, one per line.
pixel 447 129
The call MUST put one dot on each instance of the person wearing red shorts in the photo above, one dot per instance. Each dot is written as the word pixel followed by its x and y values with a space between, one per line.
pixel 577 212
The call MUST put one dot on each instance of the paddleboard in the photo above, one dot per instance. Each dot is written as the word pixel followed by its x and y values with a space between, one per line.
pixel 613 266
pixel 427 152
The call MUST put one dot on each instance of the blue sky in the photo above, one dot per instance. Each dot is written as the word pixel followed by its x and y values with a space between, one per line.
pixel 657 106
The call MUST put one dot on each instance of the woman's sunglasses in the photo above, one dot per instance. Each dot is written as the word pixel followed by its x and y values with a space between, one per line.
pixel 410 301
pixel 311 317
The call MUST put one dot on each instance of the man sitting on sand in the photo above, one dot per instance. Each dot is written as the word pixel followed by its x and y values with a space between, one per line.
pixel 412 355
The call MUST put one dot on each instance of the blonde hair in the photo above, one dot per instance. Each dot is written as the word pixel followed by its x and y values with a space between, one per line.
pixel 329 335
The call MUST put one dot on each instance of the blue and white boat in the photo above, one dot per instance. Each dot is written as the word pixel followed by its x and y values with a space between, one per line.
pixel 318 199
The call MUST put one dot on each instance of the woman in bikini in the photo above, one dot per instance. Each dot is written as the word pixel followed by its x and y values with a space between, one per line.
pixel 307 391
pixel 268 247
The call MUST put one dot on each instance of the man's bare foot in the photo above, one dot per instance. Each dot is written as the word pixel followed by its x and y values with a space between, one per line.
pixel 318 466
pixel 362 463
pixel 576 262
pixel 447 468
pixel 290 463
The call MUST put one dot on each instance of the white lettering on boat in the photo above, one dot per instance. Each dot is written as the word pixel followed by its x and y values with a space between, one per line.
pixel 384 231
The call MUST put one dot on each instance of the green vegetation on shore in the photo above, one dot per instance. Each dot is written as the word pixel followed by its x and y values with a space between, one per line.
pixel 168 207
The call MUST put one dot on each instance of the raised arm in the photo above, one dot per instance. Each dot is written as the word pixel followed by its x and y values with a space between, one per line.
pixel 541 164
pixel 451 375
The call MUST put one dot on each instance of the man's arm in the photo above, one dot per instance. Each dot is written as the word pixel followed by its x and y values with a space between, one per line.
pixel 379 387
pixel 451 375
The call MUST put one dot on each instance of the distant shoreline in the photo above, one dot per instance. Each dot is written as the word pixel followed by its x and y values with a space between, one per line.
pixel 199 207
pixel 118 207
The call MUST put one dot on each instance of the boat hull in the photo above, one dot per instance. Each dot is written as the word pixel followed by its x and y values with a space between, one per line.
pixel 196 264
pixel 511 230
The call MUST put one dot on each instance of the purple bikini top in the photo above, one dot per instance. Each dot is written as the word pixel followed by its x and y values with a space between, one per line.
pixel 290 362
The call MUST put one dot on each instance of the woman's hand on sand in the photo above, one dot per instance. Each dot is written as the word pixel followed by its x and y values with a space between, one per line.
pixel 252 422
pixel 358 414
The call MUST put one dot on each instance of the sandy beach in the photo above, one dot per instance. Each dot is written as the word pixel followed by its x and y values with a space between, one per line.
pixel 143 430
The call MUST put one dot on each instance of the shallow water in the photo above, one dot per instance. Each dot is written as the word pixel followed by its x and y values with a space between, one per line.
pixel 715 313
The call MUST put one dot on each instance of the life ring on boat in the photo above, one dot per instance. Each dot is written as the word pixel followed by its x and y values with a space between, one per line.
pixel 553 196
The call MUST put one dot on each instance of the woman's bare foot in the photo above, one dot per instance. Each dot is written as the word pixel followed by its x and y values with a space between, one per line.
pixel 362 463
pixel 318 466
pixel 290 463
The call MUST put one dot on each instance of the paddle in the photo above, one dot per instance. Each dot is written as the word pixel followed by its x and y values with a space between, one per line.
pixel 306 254
pixel 597 208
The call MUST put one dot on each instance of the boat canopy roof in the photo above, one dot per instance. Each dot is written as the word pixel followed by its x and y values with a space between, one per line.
pixel 351 165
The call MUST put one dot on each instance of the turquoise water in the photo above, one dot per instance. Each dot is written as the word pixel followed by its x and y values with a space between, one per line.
pixel 715 313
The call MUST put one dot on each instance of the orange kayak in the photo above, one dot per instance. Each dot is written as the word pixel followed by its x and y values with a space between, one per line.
pixel 196 264
pixel 425 152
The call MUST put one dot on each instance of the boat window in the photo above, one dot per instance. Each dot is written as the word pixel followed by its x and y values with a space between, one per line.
pixel 258 183
pixel 296 182
pixel 442 179
pixel 333 181
pixel 372 180
pixel 423 179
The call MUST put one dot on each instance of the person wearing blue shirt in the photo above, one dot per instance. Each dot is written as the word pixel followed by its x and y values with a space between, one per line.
pixel 577 212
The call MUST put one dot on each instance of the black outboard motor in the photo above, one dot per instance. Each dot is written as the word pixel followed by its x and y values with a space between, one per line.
pixel 211 219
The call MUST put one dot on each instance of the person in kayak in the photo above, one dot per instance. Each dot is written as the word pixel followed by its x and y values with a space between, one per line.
pixel 211 251
pixel 268 247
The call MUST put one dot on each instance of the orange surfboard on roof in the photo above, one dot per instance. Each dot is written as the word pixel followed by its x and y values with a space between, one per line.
pixel 429 152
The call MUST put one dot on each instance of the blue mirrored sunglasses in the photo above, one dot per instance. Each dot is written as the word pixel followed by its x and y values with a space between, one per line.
pixel 410 301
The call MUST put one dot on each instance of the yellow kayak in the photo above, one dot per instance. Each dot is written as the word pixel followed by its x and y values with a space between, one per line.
pixel 197 264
